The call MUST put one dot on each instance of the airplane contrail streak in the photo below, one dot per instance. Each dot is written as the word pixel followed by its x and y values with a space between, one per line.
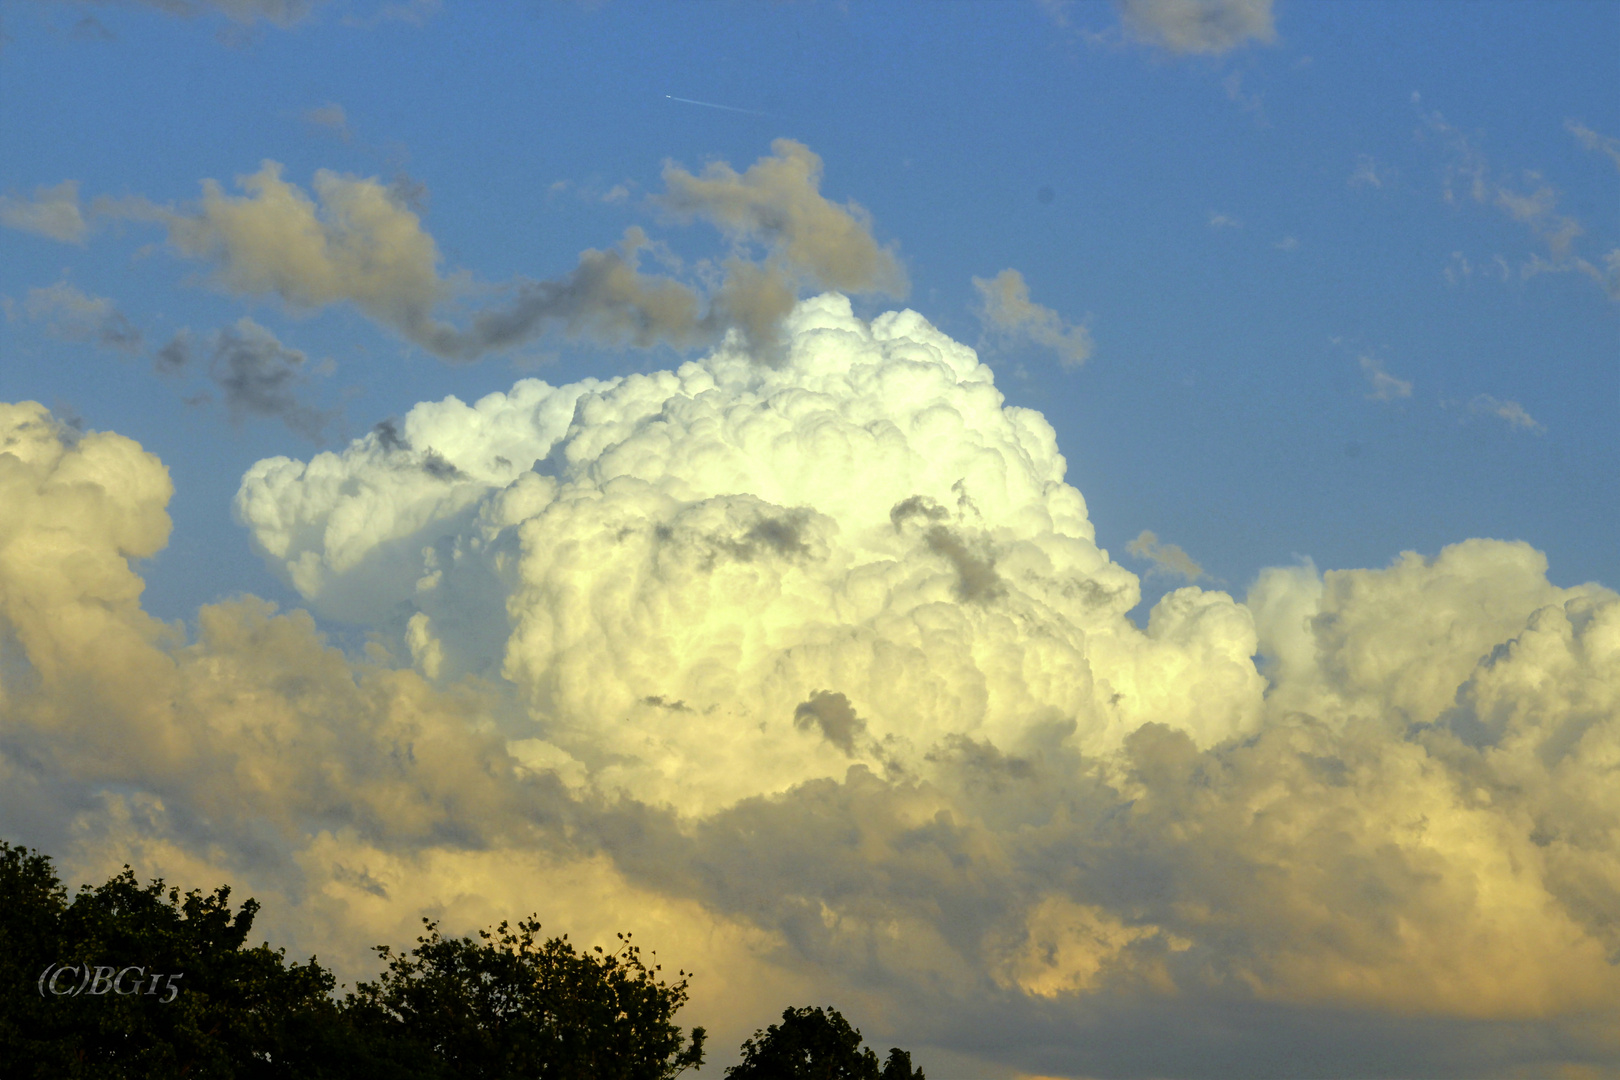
pixel 712 105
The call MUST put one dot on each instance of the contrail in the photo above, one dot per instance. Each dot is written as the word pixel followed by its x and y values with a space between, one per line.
pixel 712 105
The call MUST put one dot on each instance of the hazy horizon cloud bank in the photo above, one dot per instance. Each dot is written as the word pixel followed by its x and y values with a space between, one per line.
pixel 813 675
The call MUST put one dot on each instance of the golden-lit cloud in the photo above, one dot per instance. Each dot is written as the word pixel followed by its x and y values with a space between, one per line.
pixel 1007 310
pixel 360 241
pixel 814 676
pixel 778 203
pixel 1167 559
pixel 1199 26
pixel 53 212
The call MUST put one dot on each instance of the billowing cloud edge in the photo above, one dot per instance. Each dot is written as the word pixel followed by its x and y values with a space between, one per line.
pixel 1019 808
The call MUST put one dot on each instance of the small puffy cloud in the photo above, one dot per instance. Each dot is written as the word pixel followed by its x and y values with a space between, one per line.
pixel 52 212
pixel 1384 386
pixel 1199 26
pixel 1509 412
pixel 1218 220
pixel 70 314
pixel 1537 208
pixel 1368 173
pixel 332 117
pixel 1167 559
pixel 281 13
pixel 777 202
pixel 359 244
pixel 1593 140
pixel 1287 243
pixel 1006 309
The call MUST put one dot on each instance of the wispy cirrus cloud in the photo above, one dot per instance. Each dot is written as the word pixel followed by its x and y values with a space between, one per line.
pixel 279 13
pixel 1383 386
pixel 1369 173
pixel 1592 140
pixel 1529 200
pixel 1509 412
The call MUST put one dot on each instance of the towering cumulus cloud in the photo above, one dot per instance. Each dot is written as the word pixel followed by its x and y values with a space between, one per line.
pixel 815 674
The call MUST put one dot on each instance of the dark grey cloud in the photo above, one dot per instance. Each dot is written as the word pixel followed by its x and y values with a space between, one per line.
pixel 833 715
pixel 257 375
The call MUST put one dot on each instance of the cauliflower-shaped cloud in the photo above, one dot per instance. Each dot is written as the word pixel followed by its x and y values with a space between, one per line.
pixel 815 674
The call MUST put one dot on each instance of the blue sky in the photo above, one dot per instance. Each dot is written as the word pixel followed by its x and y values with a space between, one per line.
pixel 1298 288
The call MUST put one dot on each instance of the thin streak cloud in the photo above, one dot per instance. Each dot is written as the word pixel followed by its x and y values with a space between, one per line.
pixel 712 105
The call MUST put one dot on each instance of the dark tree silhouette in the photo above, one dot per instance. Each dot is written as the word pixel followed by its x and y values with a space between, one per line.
pixel 512 1006
pixel 508 1006
pixel 234 1011
pixel 816 1044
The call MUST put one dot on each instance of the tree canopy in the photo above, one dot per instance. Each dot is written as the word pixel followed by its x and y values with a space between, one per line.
pixel 73 1004
pixel 816 1044
pixel 511 1005
pixel 230 1010
pixel 124 981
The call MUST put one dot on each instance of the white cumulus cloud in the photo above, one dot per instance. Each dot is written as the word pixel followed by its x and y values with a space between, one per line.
pixel 814 675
